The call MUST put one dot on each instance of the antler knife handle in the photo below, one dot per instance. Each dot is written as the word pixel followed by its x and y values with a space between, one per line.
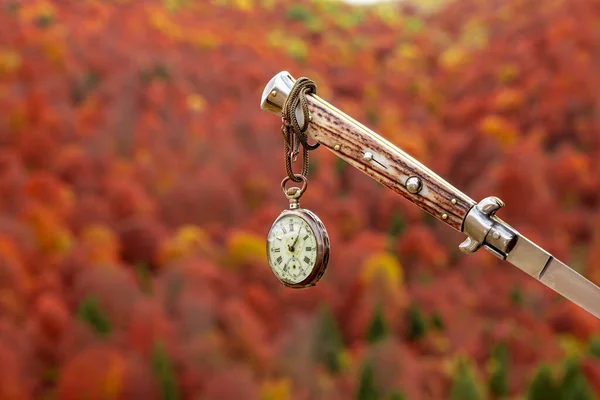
pixel 374 155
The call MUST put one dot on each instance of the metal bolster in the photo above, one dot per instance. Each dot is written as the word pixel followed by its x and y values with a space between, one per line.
pixel 484 229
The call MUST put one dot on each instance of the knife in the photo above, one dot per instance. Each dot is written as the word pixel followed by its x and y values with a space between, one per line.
pixel 387 164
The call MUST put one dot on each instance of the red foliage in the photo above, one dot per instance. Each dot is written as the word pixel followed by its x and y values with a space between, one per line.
pixel 148 325
pixel 99 372
pixel 52 315
pixel 13 386
pixel 114 289
pixel 231 384
pixel 591 370
pixel 566 317
pixel 140 240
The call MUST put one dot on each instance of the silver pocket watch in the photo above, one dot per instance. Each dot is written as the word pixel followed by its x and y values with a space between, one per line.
pixel 297 244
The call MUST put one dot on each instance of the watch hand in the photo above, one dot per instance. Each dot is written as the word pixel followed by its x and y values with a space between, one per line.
pixel 304 241
pixel 295 241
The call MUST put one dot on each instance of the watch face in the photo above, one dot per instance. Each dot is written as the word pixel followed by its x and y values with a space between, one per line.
pixel 292 249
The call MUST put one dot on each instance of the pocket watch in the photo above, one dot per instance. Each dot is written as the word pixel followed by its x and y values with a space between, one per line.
pixel 297 244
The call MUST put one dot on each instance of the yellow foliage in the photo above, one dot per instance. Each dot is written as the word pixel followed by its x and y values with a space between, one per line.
pixel 34 10
pixel 205 40
pixel 268 4
pixel 507 73
pixel 440 342
pixel 408 51
pixel 10 61
pixel 453 57
pixel 113 380
pixel 161 21
pixel 244 5
pixel 245 247
pixel 500 129
pixel 100 244
pixel 54 50
pixel 50 235
pixel 188 240
pixel 508 99
pixel 383 266
pixel 345 360
pixel 387 13
pixel 63 241
pixel 276 390
pixel 195 102
pixel 571 346
pixel 474 35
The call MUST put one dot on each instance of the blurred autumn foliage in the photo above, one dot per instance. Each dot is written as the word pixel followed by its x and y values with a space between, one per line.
pixel 138 179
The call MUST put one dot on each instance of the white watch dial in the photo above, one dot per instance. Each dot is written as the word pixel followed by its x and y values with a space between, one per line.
pixel 292 249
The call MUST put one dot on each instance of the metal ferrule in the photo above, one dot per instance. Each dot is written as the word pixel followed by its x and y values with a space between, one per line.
pixel 276 91
pixel 484 229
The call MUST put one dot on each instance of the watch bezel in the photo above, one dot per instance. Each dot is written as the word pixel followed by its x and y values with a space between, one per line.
pixel 323 245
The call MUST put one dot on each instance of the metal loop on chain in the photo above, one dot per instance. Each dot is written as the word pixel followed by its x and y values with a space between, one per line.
pixel 294 192
pixel 294 134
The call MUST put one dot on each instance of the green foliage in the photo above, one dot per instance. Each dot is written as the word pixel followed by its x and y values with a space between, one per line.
pixel 159 72
pixel 428 219
pixel 314 25
pixel 516 295
pixel 297 49
pixel 332 8
pixel 367 389
pixel 298 12
pixel 174 5
pixel 44 21
pixel 144 277
pixel 594 347
pixel 415 328
pixel 465 385
pixel 340 166
pixel 397 224
pixel 575 385
pixel 164 373
pixel 13 7
pixel 377 329
pixel 424 278
pixel 172 291
pixel 396 395
pixel 414 25
pixel 82 88
pixel 543 386
pixel 499 376
pixel 349 20
pixel 50 375
pixel 89 311
pixel 437 322
pixel 372 117
pixel 313 167
pixel 327 343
